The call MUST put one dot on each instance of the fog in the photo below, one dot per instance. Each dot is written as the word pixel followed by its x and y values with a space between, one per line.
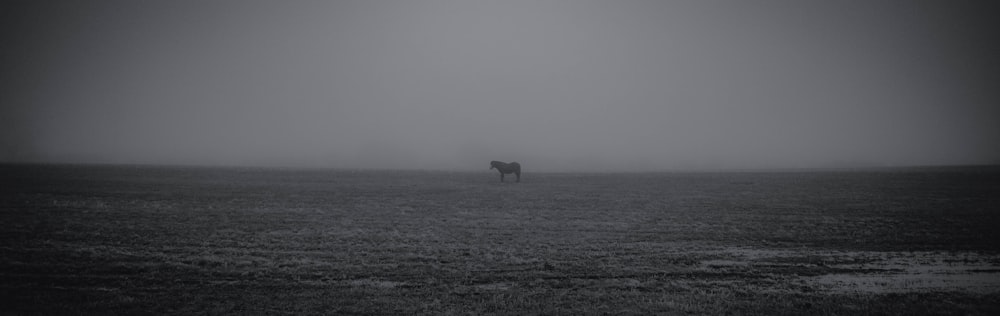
pixel 556 85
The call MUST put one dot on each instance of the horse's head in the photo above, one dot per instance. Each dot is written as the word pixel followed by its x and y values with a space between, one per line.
pixel 493 164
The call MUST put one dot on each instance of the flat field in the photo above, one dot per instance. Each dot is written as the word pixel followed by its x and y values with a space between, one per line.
pixel 170 240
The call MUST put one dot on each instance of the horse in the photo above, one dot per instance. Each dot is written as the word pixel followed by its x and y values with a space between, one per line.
pixel 507 168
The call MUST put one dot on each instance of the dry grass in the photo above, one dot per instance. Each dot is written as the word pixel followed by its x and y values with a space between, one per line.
pixel 104 239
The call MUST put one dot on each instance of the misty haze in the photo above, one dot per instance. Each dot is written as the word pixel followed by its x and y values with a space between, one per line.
pixel 358 157
pixel 559 85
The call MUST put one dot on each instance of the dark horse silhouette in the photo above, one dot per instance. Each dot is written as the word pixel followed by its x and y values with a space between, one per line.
pixel 507 168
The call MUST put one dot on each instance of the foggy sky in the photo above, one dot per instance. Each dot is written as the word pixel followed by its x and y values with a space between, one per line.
pixel 556 85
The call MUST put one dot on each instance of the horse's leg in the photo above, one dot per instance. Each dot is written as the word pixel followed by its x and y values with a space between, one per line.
pixel 518 176
pixel 501 177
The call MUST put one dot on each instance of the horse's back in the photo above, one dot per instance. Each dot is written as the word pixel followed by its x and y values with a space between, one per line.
pixel 512 167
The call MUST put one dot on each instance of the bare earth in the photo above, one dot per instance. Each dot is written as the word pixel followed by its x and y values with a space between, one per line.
pixel 173 240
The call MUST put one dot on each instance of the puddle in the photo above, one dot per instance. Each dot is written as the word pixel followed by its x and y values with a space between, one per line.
pixel 909 282
pixel 918 272
pixel 874 272
pixel 375 283
pixel 494 286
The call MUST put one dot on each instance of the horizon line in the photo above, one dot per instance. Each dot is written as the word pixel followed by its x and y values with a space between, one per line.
pixel 567 170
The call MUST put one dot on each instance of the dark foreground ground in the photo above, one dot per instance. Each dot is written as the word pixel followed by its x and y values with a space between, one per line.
pixel 162 240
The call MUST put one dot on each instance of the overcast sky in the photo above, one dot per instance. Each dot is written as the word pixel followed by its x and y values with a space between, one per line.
pixel 556 85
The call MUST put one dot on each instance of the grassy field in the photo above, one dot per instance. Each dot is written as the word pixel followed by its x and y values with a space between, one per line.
pixel 170 240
